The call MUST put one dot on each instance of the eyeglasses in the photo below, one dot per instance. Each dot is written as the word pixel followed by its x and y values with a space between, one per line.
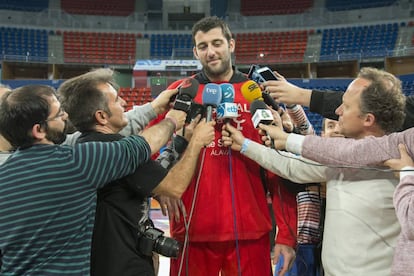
pixel 61 113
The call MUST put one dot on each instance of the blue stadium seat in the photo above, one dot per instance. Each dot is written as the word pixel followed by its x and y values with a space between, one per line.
pixel 24 5
pixel 358 42
pixel 22 44
pixel 340 5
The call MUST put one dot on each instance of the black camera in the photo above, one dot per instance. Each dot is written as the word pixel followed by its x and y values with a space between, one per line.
pixel 152 239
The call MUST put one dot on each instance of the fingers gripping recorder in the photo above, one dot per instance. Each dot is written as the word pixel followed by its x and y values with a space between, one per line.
pixel 262 74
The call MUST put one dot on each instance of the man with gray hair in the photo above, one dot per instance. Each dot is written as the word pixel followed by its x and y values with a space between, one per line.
pixel 361 227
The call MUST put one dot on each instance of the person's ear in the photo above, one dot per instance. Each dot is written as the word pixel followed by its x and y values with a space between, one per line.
pixel 232 45
pixel 101 117
pixel 195 53
pixel 38 132
pixel 369 119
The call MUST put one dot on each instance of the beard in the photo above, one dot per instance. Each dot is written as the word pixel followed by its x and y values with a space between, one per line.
pixel 219 71
pixel 56 136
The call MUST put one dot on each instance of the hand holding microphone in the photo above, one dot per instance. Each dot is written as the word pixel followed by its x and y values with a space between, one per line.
pixel 177 117
pixel 211 98
pixel 203 134
pixel 162 102
pixel 260 113
pixel 187 90
pixel 232 137
pixel 273 136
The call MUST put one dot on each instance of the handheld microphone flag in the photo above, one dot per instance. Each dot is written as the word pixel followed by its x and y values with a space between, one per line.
pixel 227 108
pixel 251 91
pixel 211 98
pixel 187 90
pixel 260 113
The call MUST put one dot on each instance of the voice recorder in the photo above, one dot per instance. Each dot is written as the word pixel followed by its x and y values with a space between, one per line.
pixel 261 74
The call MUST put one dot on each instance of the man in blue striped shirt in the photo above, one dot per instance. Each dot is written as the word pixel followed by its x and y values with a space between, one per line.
pixel 48 192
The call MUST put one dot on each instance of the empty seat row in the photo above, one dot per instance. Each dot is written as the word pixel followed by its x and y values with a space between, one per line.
pixel 278 47
pixel 24 44
pixel 135 96
pixel 25 5
pixel 96 47
pixel 359 42
pixel 165 45
pixel 102 7
pixel 340 5
pixel 266 7
pixel 260 47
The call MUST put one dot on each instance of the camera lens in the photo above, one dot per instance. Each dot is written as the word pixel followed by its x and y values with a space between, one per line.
pixel 167 247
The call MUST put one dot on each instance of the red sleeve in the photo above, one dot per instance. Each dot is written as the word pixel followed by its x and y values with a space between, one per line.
pixel 285 210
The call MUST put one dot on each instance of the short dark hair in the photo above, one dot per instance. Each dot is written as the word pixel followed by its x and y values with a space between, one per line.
pixel 81 98
pixel 207 23
pixel 21 109
pixel 383 98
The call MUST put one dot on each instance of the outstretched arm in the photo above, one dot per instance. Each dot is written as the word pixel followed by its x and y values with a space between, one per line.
pixel 139 116
pixel 284 164
pixel 159 134
pixel 368 151
pixel 404 193
pixel 321 102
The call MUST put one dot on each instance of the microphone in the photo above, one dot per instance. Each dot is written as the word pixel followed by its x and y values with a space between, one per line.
pixel 187 90
pixel 195 109
pixel 227 93
pixel 211 98
pixel 260 113
pixel 299 119
pixel 251 91
pixel 269 100
pixel 227 109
